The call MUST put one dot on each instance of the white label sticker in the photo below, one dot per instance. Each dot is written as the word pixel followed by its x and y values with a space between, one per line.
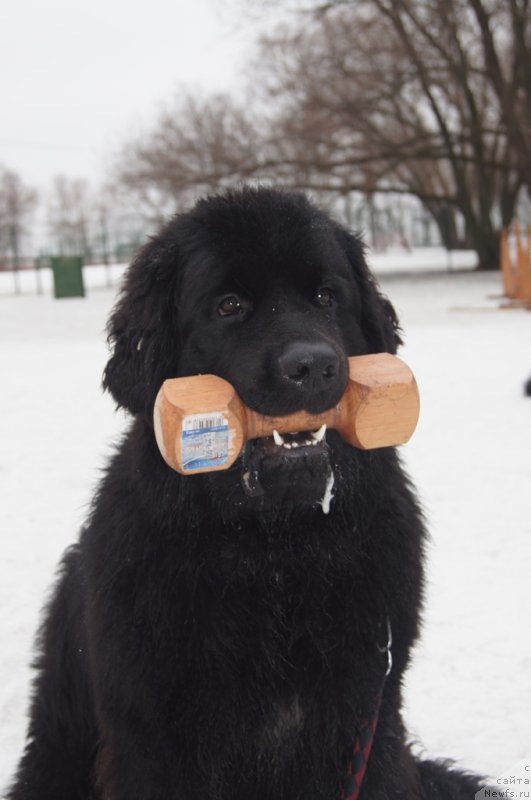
pixel 205 441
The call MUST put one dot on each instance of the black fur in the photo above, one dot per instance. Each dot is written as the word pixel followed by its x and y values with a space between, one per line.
pixel 527 388
pixel 205 642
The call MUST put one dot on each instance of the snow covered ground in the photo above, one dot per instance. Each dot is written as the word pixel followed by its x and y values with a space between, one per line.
pixel 468 692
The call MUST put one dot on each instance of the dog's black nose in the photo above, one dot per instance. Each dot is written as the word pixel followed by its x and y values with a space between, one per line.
pixel 310 366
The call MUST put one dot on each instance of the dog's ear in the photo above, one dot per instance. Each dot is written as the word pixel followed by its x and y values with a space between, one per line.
pixel 142 329
pixel 379 320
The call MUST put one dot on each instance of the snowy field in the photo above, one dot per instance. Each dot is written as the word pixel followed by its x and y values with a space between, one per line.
pixel 468 692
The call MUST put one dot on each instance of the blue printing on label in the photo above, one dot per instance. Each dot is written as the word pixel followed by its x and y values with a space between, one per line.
pixel 205 441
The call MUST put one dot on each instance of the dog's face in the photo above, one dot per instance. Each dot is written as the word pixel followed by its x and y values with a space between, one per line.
pixel 264 290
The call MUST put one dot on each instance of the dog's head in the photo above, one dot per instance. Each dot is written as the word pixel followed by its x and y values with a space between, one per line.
pixel 265 290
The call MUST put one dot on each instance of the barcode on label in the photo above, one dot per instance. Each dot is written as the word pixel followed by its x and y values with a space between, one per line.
pixel 201 422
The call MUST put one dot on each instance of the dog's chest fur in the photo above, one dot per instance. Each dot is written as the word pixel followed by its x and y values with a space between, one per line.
pixel 284 722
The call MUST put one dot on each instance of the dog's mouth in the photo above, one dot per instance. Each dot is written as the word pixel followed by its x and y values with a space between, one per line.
pixel 292 445
pixel 290 467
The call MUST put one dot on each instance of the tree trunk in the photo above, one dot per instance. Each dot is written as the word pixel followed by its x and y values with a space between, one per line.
pixel 444 217
pixel 487 246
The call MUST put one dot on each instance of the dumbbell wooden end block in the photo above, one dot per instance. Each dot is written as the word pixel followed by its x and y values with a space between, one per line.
pixel 201 425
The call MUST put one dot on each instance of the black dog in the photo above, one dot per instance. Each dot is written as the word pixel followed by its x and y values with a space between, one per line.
pixel 219 636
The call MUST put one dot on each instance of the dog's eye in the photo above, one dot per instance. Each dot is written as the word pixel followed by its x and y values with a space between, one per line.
pixel 324 296
pixel 230 306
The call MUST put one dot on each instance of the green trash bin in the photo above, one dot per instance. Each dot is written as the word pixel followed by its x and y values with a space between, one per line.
pixel 67 276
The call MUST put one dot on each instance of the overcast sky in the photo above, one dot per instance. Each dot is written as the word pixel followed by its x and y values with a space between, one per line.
pixel 78 76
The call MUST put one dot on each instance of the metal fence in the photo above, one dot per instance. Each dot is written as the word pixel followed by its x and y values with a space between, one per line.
pixel 35 275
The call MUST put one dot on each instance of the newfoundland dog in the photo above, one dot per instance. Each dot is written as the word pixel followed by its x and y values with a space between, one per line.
pixel 213 639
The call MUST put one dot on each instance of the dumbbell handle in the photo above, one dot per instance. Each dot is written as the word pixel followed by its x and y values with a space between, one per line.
pixel 201 425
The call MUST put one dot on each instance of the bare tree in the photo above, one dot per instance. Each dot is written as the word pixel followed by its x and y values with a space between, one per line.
pixel 17 203
pixel 420 97
pixel 70 213
pixel 198 145
pixel 505 29
pixel 418 115
pixel 118 226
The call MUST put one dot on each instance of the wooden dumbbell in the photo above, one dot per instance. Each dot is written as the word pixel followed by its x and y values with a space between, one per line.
pixel 201 425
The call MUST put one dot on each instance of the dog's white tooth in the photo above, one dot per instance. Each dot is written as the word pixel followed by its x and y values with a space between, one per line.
pixel 320 434
pixel 287 445
pixel 278 438
pixel 294 444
